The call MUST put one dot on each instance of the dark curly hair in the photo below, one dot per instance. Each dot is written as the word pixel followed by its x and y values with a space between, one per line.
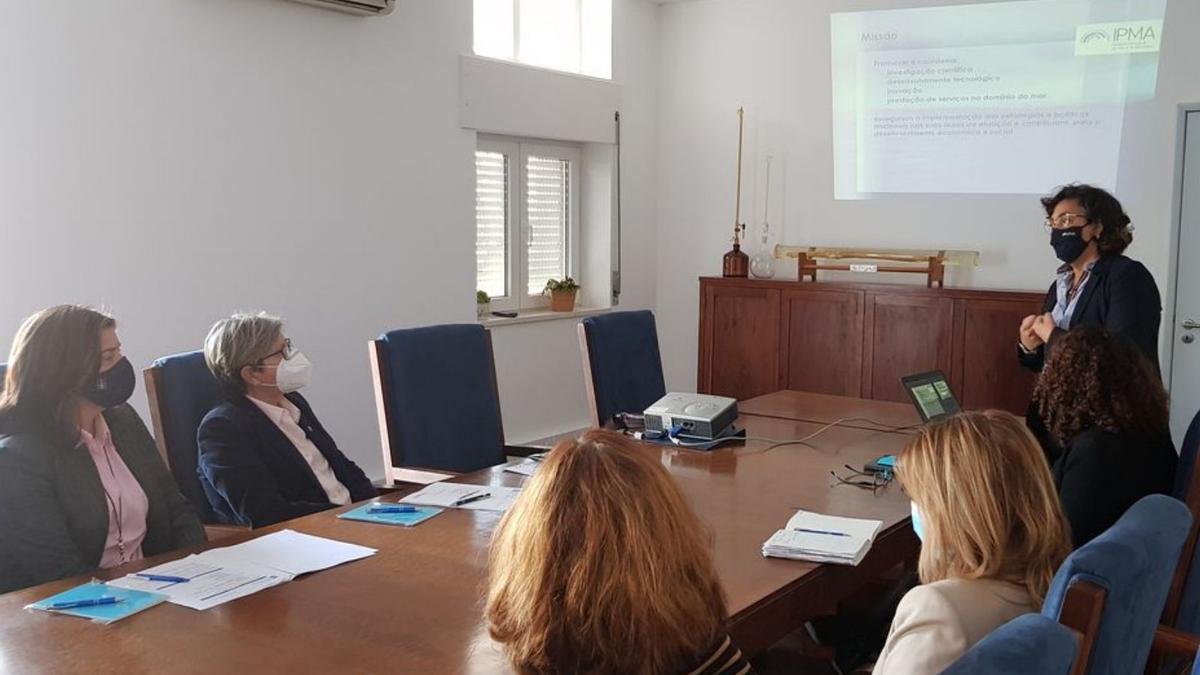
pixel 1100 207
pixel 1094 379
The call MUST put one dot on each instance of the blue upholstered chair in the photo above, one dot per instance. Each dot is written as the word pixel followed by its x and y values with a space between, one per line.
pixel 1030 644
pixel 1112 590
pixel 622 364
pixel 437 399
pixel 181 391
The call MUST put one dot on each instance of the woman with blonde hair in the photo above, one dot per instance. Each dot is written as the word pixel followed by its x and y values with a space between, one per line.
pixel 992 530
pixel 601 567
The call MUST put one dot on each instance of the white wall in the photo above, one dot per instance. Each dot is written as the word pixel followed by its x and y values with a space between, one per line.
pixel 175 160
pixel 772 56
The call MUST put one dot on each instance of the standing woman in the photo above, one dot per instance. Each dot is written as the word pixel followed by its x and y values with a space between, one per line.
pixel 1096 283
pixel 81 483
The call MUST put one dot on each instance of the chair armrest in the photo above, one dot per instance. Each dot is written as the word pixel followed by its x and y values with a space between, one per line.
pixel 1170 641
pixel 523 450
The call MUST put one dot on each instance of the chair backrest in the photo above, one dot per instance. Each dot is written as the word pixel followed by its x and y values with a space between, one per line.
pixel 1183 602
pixel 621 362
pixel 181 390
pixel 1112 590
pixel 1030 644
pixel 437 399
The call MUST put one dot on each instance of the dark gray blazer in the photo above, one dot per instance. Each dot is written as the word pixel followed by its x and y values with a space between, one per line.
pixel 53 513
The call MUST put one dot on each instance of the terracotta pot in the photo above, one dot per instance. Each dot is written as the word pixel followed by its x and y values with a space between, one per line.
pixel 562 301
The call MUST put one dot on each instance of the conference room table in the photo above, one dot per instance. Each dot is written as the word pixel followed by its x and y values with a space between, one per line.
pixel 417 605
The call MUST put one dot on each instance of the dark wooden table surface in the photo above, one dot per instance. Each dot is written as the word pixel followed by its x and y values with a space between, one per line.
pixel 416 605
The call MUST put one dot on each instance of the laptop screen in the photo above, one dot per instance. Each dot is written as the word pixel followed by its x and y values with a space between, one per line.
pixel 931 394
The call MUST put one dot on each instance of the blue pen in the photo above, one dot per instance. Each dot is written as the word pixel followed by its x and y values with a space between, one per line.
pixel 94 602
pixel 392 509
pixel 832 534
pixel 162 577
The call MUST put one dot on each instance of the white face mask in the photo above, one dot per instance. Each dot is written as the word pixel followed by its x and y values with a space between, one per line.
pixel 292 374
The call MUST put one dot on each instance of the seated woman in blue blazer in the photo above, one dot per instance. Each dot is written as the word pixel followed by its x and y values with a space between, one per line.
pixel 264 456
pixel 82 485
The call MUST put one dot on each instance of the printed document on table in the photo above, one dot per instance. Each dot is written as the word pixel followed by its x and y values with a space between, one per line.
pixel 446 494
pixel 288 551
pixel 208 584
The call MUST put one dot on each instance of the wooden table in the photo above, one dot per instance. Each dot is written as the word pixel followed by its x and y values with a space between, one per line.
pixel 826 409
pixel 417 604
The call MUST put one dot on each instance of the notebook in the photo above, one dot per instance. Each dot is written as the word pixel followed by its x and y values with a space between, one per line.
pixel 363 513
pixel 130 602
pixel 827 539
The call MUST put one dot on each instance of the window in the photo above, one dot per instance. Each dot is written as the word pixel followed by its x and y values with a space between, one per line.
pixel 570 35
pixel 526 219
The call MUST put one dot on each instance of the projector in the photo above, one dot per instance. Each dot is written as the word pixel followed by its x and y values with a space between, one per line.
pixel 697 415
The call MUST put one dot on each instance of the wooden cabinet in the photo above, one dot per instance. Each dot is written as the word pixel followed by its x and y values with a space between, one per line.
pixel 822 335
pixel 859 339
pixel 904 334
pixel 739 343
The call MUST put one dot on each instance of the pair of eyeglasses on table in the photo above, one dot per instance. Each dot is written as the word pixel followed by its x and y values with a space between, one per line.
pixel 872 481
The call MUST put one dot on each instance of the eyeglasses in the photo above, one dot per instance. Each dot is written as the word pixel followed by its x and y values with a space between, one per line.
pixel 1065 221
pixel 865 481
pixel 287 352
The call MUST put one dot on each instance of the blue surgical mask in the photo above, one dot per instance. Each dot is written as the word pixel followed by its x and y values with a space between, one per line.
pixel 917 525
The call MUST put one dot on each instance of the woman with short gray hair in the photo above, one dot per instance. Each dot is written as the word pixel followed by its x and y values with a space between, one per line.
pixel 264 456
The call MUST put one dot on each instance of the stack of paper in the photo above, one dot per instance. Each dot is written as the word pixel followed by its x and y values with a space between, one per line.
pixel 819 538
pixel 219 575
pixel 463 496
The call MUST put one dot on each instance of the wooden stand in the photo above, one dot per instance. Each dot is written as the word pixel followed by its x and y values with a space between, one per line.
pixel 934 268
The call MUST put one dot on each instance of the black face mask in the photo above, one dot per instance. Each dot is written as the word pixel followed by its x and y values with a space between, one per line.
pixel 1068 243
pixel 112 387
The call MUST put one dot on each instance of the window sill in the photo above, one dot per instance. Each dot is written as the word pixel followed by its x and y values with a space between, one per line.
pixel 539 315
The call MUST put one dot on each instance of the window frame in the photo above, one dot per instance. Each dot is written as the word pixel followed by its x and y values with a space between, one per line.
pixel 518 230
pixel 581 57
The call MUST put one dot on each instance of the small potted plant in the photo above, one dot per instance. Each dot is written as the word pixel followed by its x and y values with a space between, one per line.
pixel 562 294
pixel 483 304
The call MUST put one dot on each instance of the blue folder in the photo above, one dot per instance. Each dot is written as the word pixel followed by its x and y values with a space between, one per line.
pixel 131 603
pixel 417 517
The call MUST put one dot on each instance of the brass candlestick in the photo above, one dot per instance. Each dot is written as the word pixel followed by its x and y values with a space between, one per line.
pixel 735 263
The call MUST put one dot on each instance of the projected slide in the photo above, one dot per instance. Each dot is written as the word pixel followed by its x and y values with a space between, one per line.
pixel 1004 97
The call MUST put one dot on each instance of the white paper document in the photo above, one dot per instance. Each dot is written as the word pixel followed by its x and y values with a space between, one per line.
pixel 290 552
pixel 222 574
pixel 525 468
pixel 461 496
pixel 819 538
pixel 208 584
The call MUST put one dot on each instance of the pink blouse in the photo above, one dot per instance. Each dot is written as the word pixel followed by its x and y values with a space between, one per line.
pixel 127 503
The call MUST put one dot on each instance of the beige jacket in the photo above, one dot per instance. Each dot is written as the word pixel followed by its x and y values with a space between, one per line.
pixel 936 623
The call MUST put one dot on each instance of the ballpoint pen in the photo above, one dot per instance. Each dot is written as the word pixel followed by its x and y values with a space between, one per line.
pixel 94 602
pixel 392 509
pixel 832 534
pixel 472 498
pixel 162 577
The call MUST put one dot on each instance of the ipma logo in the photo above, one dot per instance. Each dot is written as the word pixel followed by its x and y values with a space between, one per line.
pixel 1119 37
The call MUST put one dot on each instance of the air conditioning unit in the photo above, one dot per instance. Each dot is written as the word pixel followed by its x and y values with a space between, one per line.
pixel 363 7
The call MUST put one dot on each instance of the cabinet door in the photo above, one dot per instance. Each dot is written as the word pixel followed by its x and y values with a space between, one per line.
pixel 822 335
pixel 985 357
pixel 904 334
pixel 739 341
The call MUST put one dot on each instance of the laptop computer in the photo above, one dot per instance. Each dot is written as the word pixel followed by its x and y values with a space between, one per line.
pixel 931 394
